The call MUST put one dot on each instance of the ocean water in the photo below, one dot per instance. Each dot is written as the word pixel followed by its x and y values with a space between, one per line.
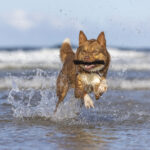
pixel 120 119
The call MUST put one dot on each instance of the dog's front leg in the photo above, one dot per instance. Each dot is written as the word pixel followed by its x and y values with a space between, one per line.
pixel 96 91
pixel 81 93
pixel 100 88
pixel 79 88
pixel 88 102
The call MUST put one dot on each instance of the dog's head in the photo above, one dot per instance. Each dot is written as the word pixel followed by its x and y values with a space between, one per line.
pixel 92 54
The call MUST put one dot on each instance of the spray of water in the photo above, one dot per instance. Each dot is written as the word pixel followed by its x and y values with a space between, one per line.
pixel 39 101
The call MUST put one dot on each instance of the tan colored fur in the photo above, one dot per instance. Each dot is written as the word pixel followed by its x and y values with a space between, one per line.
pixel 80 77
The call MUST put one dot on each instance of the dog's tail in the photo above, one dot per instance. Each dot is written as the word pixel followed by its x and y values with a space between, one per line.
pixel 66 50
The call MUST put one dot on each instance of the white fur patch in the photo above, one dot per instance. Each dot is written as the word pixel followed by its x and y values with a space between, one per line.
pixel 67 40
pixel 95 80
pixel 88 101
pixel 90 79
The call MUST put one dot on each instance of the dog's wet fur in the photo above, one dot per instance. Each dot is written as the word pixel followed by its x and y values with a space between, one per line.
pixel 85 70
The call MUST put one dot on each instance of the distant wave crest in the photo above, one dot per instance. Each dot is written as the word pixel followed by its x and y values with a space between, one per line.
pixel 49 58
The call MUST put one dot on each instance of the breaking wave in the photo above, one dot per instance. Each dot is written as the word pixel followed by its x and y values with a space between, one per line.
pixel 47 79
pixel 42 58
pixel 49 58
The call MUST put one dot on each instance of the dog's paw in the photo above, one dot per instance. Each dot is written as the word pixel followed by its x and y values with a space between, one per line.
pixel 103 86
pixel 88 101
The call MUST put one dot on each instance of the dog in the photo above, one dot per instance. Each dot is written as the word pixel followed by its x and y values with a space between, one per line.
pixel 85 70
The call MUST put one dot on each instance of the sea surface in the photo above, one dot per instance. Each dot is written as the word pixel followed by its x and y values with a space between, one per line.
pixel 119 121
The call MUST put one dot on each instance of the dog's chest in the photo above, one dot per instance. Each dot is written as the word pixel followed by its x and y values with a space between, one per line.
pixel 90 79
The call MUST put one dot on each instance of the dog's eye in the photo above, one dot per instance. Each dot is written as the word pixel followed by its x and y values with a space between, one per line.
pixel 95 52
pixel 83 51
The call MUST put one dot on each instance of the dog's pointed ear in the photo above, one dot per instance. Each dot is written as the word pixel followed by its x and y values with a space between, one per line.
pixel 82 37
pixel 101 39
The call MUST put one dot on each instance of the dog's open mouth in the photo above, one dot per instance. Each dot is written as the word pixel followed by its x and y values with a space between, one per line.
pixel 89 65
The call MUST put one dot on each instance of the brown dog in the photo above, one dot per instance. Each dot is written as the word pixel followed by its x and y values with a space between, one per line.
pixel 85 70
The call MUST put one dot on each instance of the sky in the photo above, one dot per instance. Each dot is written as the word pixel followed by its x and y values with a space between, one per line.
pixel 48 22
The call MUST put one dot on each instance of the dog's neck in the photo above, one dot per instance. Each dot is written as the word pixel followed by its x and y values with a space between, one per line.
pixel 99 72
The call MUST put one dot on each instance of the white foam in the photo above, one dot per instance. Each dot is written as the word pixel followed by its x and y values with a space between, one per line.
pixel 129 60
pixel 39 81
pixel 129 84
pixel 49 58
pixel 43 58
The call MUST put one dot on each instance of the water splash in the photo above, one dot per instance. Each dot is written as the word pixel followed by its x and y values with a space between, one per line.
pixel 114 107
pixel 41 102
